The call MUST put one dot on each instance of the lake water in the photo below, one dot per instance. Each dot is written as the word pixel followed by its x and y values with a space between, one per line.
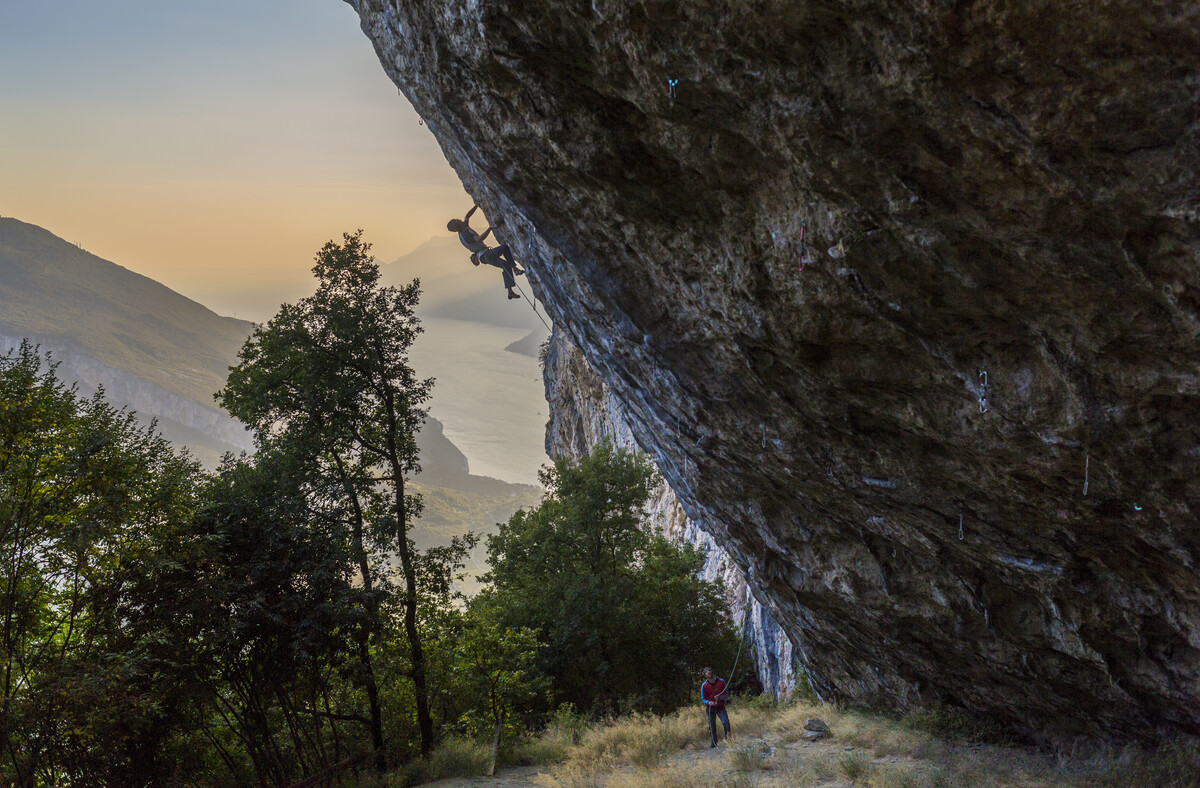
pixel 491 401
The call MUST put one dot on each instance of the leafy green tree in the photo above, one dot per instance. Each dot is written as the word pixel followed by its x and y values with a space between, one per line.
pixel 620 612
pixel 85 494
pixel 490 672
pixel 281 612
pixel 330 375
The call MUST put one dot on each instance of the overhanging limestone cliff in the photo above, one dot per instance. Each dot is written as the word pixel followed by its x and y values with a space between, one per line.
pixel 1006 188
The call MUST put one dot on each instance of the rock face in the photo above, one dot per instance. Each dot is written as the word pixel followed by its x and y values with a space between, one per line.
pixel 583 413
pixel 1008 188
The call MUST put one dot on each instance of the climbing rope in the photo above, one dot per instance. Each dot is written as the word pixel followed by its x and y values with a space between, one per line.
pixel 741 642
pixel 539 314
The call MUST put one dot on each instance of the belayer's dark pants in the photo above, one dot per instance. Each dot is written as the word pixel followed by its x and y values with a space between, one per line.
pixel 502 259
pixel 713 713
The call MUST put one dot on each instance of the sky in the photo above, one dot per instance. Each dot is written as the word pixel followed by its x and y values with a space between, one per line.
pixel 213 146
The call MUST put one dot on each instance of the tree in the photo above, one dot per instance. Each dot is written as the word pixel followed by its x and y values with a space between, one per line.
pixel 278 620
pixel 86 694
pixel 331 375
pixel 620 612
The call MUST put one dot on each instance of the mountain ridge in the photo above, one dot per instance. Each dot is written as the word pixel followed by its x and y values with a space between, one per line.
pixel 51 289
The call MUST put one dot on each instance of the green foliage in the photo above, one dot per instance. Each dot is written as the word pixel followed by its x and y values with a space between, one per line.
pixel 85 498
pixel 327 382
pixel 623 621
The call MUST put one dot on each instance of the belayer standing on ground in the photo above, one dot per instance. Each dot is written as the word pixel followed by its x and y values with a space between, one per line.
pixel 712 694
pixel 500 257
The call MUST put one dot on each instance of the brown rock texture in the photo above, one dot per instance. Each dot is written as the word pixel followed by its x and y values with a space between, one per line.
pixel 987 186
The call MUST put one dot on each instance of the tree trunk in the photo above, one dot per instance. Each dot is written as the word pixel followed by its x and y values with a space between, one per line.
pixel 364 658
pixel 420 689
pixel 496 743
pixel 363 636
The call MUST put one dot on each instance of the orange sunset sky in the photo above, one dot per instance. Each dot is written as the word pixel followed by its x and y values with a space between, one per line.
pixel 212 146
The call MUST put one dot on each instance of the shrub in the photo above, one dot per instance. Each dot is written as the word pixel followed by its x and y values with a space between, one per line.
pixel 568 723
pixel 537 750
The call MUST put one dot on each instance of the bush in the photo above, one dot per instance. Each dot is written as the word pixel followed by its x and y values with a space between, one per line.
pixel 540 750
pixel 568 723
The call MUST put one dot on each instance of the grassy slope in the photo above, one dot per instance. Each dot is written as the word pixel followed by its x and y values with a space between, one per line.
pixel 50 288
pixel 767 750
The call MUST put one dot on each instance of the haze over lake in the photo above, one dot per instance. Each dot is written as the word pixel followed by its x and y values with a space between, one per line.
pixel 490 400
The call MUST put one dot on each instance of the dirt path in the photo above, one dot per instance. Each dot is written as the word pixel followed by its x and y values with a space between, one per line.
pixel 518 777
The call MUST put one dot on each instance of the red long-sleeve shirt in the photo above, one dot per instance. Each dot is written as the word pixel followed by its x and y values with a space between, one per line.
pixel 711 692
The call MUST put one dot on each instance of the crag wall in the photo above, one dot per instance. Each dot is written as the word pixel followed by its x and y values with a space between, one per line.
pixel 1009 188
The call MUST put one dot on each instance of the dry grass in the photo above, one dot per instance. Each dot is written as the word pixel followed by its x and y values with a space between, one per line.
pixel 806 771
pixel 865 751
pixel 749 757
pixel 678 776
pixel 640 740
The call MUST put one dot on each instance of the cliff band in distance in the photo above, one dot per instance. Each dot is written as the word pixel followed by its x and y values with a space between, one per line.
pixel 999 188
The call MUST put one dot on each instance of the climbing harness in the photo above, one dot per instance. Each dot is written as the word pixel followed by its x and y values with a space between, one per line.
pixel 983 406
pixel 539 314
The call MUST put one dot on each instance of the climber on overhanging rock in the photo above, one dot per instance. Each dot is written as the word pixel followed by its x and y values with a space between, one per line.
pixel 501 256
